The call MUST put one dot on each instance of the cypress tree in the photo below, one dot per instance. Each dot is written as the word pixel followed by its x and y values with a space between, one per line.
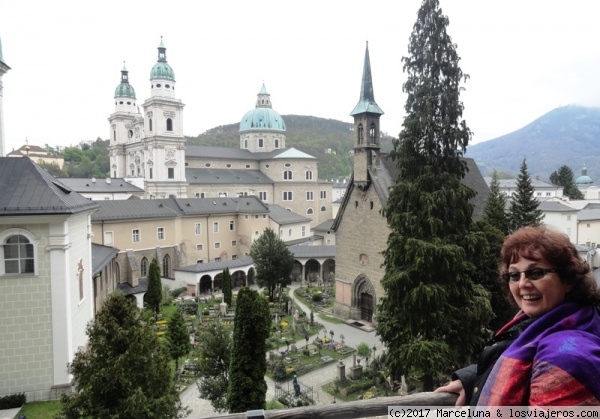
pixel 432 308
pixel 153 296
pixel 524 209
pixel 178 336
pixel 247 386
pixel 227 292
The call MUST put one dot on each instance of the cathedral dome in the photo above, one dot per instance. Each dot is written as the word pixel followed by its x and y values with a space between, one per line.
pixel 162 70
pixel 262 119
pixel 584 180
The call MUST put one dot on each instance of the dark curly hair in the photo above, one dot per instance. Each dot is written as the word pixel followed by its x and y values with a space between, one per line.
pixel 543 243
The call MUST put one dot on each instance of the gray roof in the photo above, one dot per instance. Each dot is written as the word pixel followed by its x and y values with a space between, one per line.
pixel 553 206
pixel 283 216
pixel 101 256
pixel 217 266
pixel 27 189
pixel 93 185
pixel 174 207
pixel 127 289
pixel 588 215
pixel 242 154
pixel 225 176
pixel 536 183
pixel 313 251
pixel 324 226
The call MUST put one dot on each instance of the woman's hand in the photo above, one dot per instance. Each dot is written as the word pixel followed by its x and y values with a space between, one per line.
pixel 454 387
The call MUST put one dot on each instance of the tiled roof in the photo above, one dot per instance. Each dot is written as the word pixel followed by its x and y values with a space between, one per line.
pixel 313 251
pixel 101 256
pixel 108 185
pixel 225 176
pixel 217 266
pixel 324 226
pixel 174 207
pixel 27 189
pixel 219 153
pixel 588 215
pixel 553 206
pixel 283 216
pixel 129 290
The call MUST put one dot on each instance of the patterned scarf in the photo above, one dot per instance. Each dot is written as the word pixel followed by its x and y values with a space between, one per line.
pixel 554 362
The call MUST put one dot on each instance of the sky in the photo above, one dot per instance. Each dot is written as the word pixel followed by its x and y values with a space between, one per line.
pixel 524 58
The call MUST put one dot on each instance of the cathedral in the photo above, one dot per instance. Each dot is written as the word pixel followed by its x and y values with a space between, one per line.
pixel 150 145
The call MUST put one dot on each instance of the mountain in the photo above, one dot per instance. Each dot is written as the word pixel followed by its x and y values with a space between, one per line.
pixel 329 140
pixel 568 135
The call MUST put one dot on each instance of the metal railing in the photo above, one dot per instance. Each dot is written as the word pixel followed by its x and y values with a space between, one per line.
pixel 348 410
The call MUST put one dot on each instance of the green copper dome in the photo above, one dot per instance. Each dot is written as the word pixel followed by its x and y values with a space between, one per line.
pixel 263 117
pixel 124 89
pixel 162 70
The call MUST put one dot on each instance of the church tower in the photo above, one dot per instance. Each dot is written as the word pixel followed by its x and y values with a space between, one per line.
pixel 366 115
pixel 3 69
pixel 262 129
pixel 164 147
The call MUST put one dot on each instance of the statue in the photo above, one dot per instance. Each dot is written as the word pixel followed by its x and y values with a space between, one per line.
pixel 296 386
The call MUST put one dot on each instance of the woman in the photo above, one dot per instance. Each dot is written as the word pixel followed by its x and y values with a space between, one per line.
pixel 549 354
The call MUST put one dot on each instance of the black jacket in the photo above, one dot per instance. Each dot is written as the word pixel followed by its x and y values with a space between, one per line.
pixel 474 376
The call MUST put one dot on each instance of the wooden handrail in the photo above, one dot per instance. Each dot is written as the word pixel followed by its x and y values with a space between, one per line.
pixel 348 410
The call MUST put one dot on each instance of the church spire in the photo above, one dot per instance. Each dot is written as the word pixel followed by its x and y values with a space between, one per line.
pixel 367 103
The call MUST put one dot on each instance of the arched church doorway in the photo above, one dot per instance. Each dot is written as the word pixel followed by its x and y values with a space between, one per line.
pixel 366 307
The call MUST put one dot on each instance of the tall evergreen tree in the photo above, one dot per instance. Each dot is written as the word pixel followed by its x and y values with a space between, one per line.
pixel 495 207
pixel 178 336
pixel 215 360
pixel 273 261
pixel 432 310
pixel 153 296
pixel 524 209
pixel 565 178
pixel 124 370
pixel 247 386
pixel 227 292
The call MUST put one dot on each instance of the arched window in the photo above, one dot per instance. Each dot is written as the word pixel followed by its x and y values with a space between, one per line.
pixel 361 134
pixel 144 267
pixel 372 132
pixel 323 209
pixel 287 175
pixel 309 211
pixel 17 252
pixel 169 124
pixel 166 266
pixel 309 175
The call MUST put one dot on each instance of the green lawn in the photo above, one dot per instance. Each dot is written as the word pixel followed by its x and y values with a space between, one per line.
pixel 41 410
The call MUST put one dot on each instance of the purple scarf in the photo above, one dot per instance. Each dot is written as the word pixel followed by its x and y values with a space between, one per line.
pixel 554 362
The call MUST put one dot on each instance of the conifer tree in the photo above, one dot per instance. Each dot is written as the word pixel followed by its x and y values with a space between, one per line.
pixel 153 296
pixel 247 386
pixel 524 209
pixel 178 336
pixel 124 370
pixel 227 292
pixel 495 207
pixel 432 310
pixel 564 177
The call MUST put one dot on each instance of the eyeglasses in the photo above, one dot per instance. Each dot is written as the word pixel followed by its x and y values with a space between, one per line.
pixel 532 274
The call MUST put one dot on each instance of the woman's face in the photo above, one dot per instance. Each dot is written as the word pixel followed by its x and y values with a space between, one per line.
pixel 537 297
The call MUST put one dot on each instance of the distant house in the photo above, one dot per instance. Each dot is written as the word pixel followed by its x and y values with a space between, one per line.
pixel 46 287
pixel 561 216
pixel 541 189
pixel 38 155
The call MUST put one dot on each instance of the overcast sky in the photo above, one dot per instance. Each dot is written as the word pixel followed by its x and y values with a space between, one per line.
pixel 524 58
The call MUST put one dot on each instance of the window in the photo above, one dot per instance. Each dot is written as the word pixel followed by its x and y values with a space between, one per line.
pixel 290 232
pixel 169 124
pixel 372 134
pixel 309 175
pixel 150 124
pixel 200 261
pixel 303 231
pixel 538 194
pixel 323 209
pixel 246 217
pixel 287 196
pixel 216 227
pixel 135 235
pixel 234 243
pixel 323 194
pixel 171 172
pixel 245 143
pixel 200 195
pixel 309 211
pixel 287 175
pixel 262 195
pixel 548 193
pixel 108 238
pixel 222 194
pixel 198 228
pixel 568 218
pixel 150 172
pixel 309 196
pixel 144 267
pixel 160 233
pixel 231 225
pixel 217 259
pixel 199 247
pixel 256 232
pixel 18 253
pixel 167 266
pixel 361 133
pixel 276 143
pixel 217 245
pixel 233 257
pixel 80 278
pixel 261 143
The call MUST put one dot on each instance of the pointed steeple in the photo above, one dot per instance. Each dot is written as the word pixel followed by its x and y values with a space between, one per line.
pixel 367 103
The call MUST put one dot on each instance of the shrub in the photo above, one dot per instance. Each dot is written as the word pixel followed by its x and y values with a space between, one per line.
pixel 12 401
pixel 317 296
pixel 178 291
